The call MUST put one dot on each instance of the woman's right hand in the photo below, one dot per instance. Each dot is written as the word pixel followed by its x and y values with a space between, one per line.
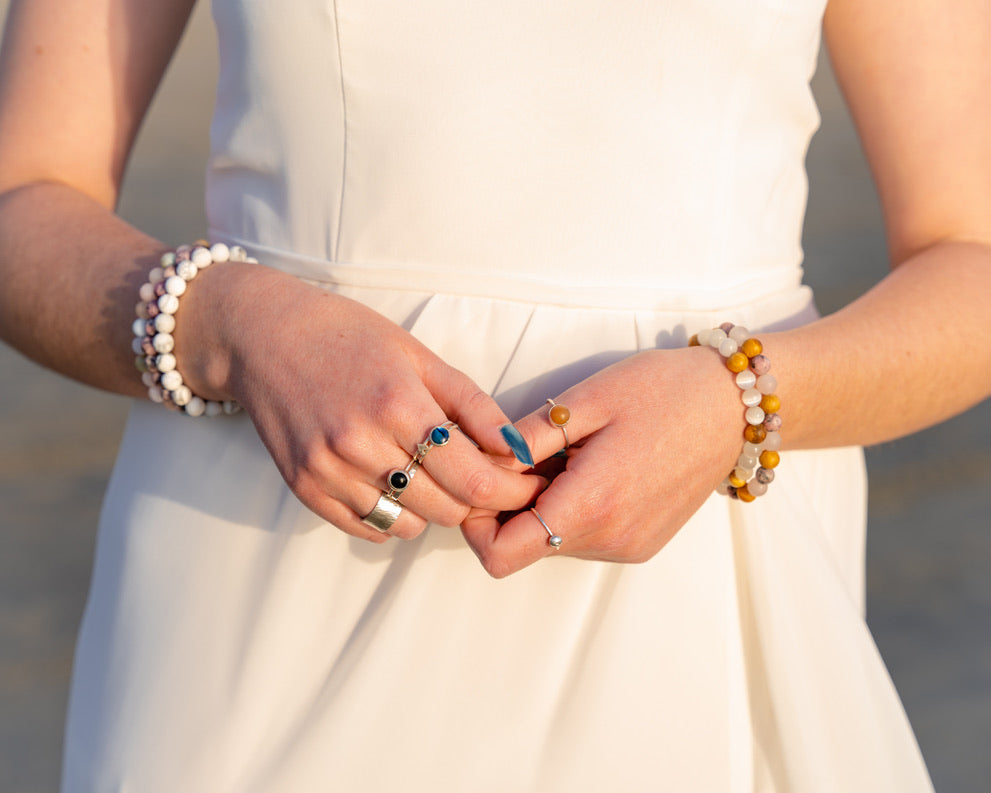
pixel 341 396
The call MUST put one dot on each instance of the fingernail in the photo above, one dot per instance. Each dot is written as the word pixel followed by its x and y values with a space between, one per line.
pixel 516 444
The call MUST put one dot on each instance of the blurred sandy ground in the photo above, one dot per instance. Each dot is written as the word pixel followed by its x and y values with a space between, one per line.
pixel 929 567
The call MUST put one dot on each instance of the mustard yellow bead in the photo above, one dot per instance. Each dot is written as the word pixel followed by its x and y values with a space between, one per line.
pixel 755 433
pixel 735 481
pixel 737 362
pixel 694 341
pixel 744 495
pixel 560 415
pixel 769 459
pixel 770 403
pixel 751 347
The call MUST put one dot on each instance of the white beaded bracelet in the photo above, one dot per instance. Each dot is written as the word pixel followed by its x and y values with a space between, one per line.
pixel 154 344
pixel 743 355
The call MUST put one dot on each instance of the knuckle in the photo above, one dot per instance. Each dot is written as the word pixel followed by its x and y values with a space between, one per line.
pixel 480 486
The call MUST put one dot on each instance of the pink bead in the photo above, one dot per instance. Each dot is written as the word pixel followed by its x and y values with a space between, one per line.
pixel 772 441
pixel 760 365
pixel 739 334
pixel 764 475
pixel 756 487
pixel 767 384
pixel 772 423
pixel 726 327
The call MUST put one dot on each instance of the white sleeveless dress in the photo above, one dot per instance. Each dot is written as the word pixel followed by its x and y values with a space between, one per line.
pixel 535 189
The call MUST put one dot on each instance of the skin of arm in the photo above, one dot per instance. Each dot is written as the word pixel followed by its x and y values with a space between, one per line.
pixel 906 355
pixel 76 78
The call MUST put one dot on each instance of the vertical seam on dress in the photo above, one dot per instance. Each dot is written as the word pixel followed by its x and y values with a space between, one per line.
pixel 335 247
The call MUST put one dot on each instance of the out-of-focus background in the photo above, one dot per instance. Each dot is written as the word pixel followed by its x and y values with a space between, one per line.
pixel 929 548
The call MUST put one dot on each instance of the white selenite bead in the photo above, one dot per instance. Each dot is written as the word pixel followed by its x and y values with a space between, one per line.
pixel 238 254
pixel 137 345
pixel 703 336
pixel 754 415
pixel 746 462
pixel 174 285
pixel 147 292
pixel 767 384
pixel 746 379
pixel 727 347
pixel 752 449
pixel 201 257
pixel 195 406
pixel 182 395
pixel 155 394
pixel 756 488
pixel 213 409
pixel 168 259
pixel 165 363
pixel 751 397
pixel 739 334
pixel 186 270
pixel 220 252
pixel 164 323
pixel 155 275
pixel 740 473
pixel 168 304
pixel 171 380
pixel 772 442
pixel 716 337
pixel 138 327
pixel 163 342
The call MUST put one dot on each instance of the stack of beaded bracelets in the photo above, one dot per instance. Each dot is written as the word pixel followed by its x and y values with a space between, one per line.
pixel 154 344
pixel 744 357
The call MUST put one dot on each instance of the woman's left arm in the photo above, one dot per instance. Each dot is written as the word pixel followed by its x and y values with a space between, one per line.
pixel 656 432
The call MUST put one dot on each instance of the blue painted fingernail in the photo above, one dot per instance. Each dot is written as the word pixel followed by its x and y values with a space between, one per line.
pixel 516 443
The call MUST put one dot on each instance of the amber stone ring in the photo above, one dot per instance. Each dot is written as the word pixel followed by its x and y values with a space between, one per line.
pixel 559 416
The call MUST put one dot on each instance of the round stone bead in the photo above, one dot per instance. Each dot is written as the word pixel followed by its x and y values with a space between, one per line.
pixel 148 379
pixel 147 347
pixel 220 252
pixel 760 365
pixel 756 488
pixel 770 402
pixel 165 362
pixel 141 363
pixel 772 422
pixel 703 336
pixel 560 415
pixel 238 254
pixel 739 334
pixel 727 347
pixel 168 259
pixel 746 462
pixel 735 480
pixel 141 309
pixel 694 340
pixel 764 475
pixel 186 270
pixel 213 409
pixel 751 397
pixel 137 345
pixel 737 362
pixel 230 407
pixel 159 289
pixel 152 309
pixel 155 275
pixel 147 292
pixel 754 415
pixel 163 342
pixel 716 336
pixel 752 449
pixel 201 257
pixel 155 394
pixel 752 347
pixel 138 327
pixel 746 379
pixel 755 433
pixel 772 441
pixel 175 285
pixel 767 384
pixel 769 459
pixel 168 304
pixel 744 494
pixel 439 436
pixel 195 406
pixel 181 395
pixel 164 323
pixel 171 380
pixel 723 487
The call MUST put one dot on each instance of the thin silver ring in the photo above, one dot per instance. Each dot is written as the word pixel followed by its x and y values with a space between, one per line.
pixel 562 427
pixel 553 539
pixel 438 436
pixel 385 512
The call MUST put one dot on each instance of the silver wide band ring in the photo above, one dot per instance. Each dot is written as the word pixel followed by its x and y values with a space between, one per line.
pixel 385 512
pixel 552 539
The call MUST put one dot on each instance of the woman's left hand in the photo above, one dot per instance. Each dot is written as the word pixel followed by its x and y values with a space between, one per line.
pixel 651 436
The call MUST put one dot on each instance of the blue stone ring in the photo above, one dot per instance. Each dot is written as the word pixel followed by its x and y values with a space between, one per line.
pixel 438 436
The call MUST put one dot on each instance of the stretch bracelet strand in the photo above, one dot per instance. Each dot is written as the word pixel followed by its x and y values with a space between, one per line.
pixel 154 344
pixel 743 355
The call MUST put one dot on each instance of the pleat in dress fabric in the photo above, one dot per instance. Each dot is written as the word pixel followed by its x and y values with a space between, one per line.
pixel 534 190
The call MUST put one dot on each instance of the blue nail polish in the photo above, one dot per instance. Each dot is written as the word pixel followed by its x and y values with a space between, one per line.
pixel 516 443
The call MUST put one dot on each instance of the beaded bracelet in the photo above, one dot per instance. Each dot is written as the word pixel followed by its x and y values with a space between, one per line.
pixel 743 355
pixel 154 343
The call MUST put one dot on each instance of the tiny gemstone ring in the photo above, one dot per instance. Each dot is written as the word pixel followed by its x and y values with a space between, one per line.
pixel 552 539
pixel 559 416
pixel 438 436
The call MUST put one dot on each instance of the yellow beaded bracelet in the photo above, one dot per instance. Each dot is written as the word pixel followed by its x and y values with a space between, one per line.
pixel 744 356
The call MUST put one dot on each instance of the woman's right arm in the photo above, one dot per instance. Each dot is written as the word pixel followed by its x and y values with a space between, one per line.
pixel 339 394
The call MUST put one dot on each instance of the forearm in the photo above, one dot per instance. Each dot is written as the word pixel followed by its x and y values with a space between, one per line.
pixel 906 355
pixel 70 271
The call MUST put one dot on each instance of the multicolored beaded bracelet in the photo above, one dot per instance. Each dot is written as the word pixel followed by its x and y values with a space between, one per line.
pixel 154 344
pixel 743 355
